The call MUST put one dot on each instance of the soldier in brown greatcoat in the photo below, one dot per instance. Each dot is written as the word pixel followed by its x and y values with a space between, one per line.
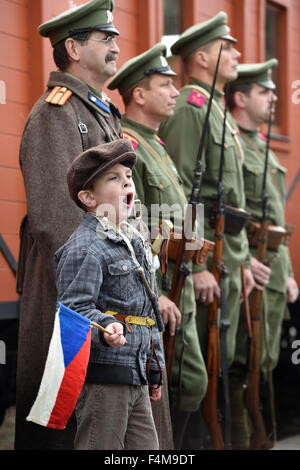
pixel 72 115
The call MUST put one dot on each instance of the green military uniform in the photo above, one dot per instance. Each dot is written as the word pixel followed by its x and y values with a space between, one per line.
pixel 254 145
pixel 157 182
pixel 274 295
pixel 182 134
pixel 155 185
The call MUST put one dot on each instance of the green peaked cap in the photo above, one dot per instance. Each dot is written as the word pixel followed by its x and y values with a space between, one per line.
pixel 198 35
pixel 257 73
pixel 94 15
pixel 136 69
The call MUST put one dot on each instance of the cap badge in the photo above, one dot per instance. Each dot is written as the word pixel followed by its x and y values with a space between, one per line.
pixel 110 17
pixel 164 61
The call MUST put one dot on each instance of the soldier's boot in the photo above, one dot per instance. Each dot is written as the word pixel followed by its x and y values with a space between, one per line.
pixel 240 427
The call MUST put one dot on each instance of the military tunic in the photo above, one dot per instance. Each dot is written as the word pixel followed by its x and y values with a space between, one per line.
pixel 50 142
pixel 154 181
pixel 182 134
pixel 274 298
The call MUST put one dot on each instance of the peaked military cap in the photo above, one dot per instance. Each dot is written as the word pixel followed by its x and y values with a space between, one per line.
pixel 198 35
pixel 134 70
pixel 257 73
pixel 94 15
pixel 91 163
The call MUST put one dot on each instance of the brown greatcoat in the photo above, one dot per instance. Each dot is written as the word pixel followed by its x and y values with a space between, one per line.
pixel 50 142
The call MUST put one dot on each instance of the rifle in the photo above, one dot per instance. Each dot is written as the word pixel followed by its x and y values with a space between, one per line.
pixel 181 270
pixel 259 438
pixel 210 403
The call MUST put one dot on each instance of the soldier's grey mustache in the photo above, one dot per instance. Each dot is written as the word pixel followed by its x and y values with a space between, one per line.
pixel 109 57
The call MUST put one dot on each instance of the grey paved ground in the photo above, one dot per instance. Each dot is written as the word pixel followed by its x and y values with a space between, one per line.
pixel 7 435
pixel 290 443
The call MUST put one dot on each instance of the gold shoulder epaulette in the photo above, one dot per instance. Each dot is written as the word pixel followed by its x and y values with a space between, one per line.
pixel 59 96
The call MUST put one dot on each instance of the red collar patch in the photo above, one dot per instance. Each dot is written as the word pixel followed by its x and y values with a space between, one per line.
pixel 196 99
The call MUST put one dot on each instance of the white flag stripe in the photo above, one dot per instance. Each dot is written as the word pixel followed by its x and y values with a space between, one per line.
pixel 53 375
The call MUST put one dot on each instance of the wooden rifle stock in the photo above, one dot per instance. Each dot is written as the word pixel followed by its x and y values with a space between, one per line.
pixel 210 403
pixel 259 438
pixel 181 271
pixel 213 359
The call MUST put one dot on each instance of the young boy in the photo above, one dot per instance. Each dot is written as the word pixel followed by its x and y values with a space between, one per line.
pixel 106 267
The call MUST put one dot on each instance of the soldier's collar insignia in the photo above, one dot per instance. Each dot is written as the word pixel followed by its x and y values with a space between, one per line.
pixel 160 141
pixel 115 110
pixel 133 140
pixel 196 99
pixel 262 137
pixel 95 100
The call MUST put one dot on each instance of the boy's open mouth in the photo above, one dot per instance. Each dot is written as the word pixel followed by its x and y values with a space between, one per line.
pixel 128 199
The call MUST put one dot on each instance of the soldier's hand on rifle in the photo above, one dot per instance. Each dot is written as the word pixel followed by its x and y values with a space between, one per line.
pixel 260 272
pixel 170 314
pixel 292 290
pixel 250 283
pixel 205 287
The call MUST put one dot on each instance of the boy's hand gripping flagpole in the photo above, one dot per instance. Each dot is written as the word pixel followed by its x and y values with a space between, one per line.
pixel 65 369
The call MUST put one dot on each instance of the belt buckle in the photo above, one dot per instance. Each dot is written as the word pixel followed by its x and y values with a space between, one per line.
pixel 127 323
pixel 83 128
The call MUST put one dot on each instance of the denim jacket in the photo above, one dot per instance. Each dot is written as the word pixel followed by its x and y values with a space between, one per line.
pixel 95 272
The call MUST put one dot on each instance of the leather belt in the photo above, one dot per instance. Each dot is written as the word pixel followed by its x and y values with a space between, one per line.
pixel 127 319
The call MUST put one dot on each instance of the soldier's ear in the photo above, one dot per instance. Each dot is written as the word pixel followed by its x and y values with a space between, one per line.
pixel 240 99
pixel 72 49
pixel 201 58
pixel 138 95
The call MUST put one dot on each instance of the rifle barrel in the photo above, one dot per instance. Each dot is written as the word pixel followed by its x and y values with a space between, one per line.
pixel 198 170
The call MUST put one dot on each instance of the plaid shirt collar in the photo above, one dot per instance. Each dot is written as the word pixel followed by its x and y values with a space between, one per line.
pixel 91 221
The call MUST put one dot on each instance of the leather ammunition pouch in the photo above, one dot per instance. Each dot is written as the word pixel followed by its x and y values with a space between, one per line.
pixel 235 218
pixel 199 256
pixel 276 235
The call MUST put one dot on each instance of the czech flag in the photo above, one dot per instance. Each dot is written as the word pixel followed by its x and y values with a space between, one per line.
pixel 65 369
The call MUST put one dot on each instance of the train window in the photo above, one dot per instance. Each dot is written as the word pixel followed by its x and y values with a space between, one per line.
pixel 173 14
pixel 174 11
pixel 275 33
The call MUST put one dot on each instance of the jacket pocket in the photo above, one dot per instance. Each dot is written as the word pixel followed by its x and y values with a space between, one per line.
pixel 158 187
pixel 122 281
pixel 230 158
pixel 253 180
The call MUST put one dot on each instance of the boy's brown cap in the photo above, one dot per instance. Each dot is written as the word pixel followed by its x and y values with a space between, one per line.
pixel 91 163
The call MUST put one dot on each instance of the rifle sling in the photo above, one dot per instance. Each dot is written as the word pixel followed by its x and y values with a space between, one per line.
pixel 158 159
pixel 233 132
